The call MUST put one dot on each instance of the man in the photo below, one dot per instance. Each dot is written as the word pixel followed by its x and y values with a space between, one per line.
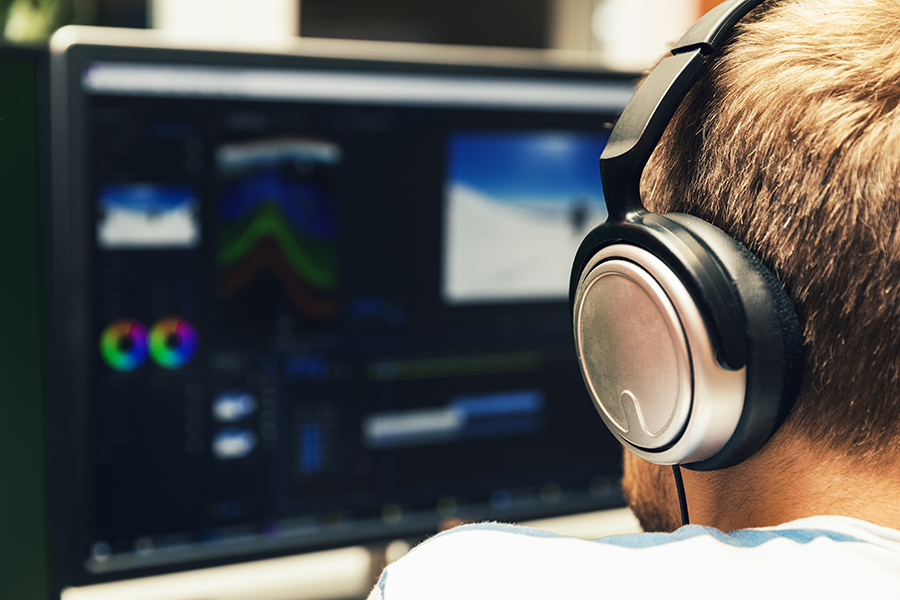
pixel 791 144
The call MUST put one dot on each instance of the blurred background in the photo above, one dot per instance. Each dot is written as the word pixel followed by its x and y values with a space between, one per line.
pixel 626 35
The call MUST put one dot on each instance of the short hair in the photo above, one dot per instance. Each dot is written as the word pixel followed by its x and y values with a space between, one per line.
pixel 791 144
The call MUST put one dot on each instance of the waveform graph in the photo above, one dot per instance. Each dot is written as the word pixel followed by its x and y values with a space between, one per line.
pixel 277 230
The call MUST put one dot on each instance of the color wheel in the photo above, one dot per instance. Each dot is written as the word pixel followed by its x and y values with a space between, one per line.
pixel 123 345
pixel 173 341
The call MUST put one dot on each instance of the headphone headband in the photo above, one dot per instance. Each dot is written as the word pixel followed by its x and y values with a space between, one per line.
pixel 644 120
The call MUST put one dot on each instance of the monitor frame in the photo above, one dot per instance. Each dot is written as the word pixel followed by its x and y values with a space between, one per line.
pixel 69 226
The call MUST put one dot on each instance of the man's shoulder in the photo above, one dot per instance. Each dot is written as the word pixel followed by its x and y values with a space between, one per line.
pixel 490 560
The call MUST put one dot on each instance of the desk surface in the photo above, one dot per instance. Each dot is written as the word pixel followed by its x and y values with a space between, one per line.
pixel 336 574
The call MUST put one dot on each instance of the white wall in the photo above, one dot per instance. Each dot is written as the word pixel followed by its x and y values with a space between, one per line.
pixel 628 35
pixel 227 19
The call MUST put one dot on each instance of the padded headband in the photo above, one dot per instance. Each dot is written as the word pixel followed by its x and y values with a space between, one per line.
pixel 642 123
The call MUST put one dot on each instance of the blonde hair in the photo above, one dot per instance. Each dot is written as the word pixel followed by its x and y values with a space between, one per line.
pixel 791 144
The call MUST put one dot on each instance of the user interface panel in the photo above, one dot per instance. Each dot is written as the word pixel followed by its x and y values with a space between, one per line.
pixel 326 303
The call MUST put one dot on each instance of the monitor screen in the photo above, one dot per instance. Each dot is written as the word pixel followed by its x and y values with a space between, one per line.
pixel 303 302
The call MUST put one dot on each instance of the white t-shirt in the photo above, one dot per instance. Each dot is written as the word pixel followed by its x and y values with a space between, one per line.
pixel 817 557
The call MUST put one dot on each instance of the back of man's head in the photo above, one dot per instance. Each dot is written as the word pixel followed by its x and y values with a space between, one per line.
pixel 791 144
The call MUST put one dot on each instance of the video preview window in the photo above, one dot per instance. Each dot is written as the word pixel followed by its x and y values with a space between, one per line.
pixel 517 205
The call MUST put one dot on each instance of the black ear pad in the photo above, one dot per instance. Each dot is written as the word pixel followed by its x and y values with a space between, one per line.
pixel 774 337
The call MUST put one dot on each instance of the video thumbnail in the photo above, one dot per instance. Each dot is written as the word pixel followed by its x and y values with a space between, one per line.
pixel 516 207
pixel 147 215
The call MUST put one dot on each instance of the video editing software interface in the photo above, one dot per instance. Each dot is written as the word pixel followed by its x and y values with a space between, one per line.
pixel 328 304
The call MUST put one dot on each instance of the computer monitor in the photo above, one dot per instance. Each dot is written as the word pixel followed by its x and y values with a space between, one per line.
pixel 303 300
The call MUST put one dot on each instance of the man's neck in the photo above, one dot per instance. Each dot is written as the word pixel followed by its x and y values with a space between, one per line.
pixel 786 481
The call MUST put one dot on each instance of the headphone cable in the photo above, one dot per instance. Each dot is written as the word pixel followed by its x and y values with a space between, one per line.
pixel 682 501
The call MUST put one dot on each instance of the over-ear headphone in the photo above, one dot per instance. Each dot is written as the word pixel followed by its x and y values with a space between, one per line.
pixel 689 345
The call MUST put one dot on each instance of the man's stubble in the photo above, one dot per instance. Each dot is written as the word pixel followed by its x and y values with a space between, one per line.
pixel 651 494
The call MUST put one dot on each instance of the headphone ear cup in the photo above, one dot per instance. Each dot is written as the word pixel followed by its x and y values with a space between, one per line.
pixel 774 336
pixel 792 332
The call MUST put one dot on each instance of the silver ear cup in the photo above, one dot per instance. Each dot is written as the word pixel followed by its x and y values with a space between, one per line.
pixel 633 349
pixel 648 362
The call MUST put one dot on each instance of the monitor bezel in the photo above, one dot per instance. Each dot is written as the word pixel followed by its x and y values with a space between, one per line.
pixel 69 228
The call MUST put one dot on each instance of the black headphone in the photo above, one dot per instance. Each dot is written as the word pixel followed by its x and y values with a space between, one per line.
pixel 690 347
